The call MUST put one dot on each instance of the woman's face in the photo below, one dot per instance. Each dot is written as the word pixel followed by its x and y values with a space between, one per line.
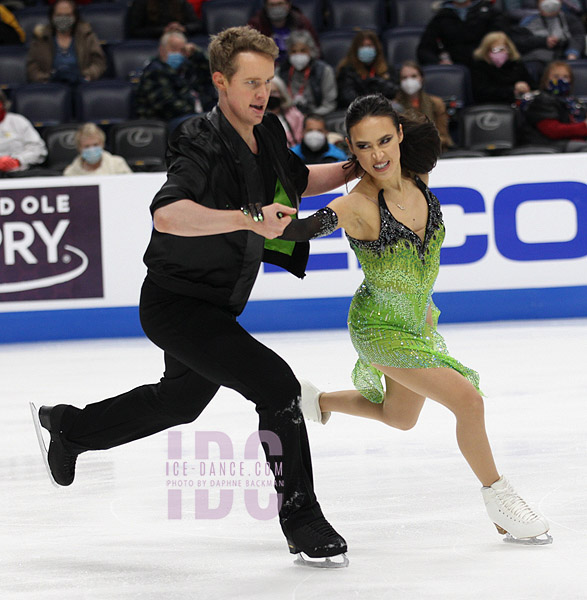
pixel 89 141
pixel 560 72
pixel 63 9
pixel 300 49
pixel 410 73
pixel 375 142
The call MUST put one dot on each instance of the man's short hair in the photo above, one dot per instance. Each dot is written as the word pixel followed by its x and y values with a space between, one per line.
pixel 225 46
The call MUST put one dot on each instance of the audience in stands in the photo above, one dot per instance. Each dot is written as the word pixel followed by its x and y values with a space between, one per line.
pixel 66 50
pixel 454 31
pixel 310 81
pixel 497 73
pixel 152 18
pixel 177 83
pixel 554 34
pixel 555 117
pixel 11 33
pixel 280 104
pixel 20 144
pixel 314 147
pixel 93 159
pixel 412 98
pixel 364 70
pixel 278 19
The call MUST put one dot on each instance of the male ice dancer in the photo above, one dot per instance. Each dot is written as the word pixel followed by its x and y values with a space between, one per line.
pixel 231 186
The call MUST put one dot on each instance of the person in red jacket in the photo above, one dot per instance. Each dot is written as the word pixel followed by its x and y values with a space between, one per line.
pixel 277 19
pixel 555 115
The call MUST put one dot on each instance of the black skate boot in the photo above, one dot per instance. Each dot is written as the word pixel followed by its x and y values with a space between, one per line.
pixel 320 543
pixel 59 458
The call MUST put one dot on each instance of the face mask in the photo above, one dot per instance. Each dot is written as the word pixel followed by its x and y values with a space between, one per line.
pixel 63 23
pixel 299 61
pixel 277 13
pixel 92 155
pixel 175 60
pixel 499 58
pixel 559 87
pixel 550 7
pixel 366 54
pixel 274 102
pixel 314 140
pixel 411 85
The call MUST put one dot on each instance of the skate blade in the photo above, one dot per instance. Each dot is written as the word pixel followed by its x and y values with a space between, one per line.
pixel 41 440
pixel 534 541
pixel 340 561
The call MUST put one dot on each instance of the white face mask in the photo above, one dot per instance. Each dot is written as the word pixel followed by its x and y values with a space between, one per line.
pixel 299 61
pixel 314 139
pixel 411 85
pixel 550 7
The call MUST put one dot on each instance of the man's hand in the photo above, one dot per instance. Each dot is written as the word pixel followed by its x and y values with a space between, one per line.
pixel 275 219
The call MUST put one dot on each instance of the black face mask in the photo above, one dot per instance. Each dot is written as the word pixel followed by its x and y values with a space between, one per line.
pixel 274 102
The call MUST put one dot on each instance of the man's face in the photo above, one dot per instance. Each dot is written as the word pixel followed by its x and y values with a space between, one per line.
pixel 174 45
pixel 244 98
pixel 315 125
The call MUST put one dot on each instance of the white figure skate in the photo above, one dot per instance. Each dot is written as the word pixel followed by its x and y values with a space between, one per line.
pixel 513 517
pixel 311 403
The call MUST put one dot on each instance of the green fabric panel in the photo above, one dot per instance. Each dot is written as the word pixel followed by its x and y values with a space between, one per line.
pixel 283 246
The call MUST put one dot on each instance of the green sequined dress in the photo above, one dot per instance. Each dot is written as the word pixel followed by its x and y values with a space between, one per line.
pixel 387 316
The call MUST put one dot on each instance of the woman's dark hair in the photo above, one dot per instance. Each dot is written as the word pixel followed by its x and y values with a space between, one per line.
pixel 420 147
pixel 76 15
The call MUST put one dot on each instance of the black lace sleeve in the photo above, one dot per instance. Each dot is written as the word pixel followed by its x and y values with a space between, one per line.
pixel 322 222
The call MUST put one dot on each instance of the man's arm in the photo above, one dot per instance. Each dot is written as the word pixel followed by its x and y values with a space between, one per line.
pixel 326 177
pixel 186 218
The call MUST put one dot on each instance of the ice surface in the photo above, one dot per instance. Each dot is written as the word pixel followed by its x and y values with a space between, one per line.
pixel 406 502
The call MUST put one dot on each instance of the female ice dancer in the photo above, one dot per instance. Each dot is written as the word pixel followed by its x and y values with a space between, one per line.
pixel 394 224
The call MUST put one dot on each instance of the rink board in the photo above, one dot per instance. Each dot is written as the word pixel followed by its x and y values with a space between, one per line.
pixel 516 248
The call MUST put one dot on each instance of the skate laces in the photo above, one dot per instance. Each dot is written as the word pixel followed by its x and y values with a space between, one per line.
pixel 515 505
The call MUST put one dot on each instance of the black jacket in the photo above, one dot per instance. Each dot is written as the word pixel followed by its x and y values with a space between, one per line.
pixel 493 84
pixel 351 85
pixel 206 165
pixel 446 32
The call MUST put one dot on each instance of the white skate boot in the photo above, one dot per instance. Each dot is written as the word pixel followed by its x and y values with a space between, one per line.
pixel 311 403
pixel 513 517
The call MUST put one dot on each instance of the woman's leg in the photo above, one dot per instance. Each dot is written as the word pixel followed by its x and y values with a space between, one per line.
pixel 451 389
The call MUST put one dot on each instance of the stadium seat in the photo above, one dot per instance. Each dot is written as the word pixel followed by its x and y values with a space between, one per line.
pixel 334 45
pixel 488 127
pixel 534 150
pixel 129 58
pixel 142 143
pixel 412 13
pixel 103 102
pixel 43 104
pixel 12 66
pixel 579 68
pixel 335 122
pixel 401 44
pixel 31 16
pixel 353 14
pixel 60 141
pixel 451 82
pixel 220 14
pixel 313 10
pixel 108 20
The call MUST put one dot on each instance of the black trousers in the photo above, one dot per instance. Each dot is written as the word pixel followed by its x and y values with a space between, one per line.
pixel 206 348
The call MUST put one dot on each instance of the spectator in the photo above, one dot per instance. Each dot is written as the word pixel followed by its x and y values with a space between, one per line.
pixel 177 83
pixel 554 116
pixel 65 50
pixel 454 31
pixel 364 70
pixel 554 34
pixel 314 148
pixel 11 33
pixel 310 81
pixel 152 18
pixel 278 19
pixel 412 97
pixel 291 118
pixel 498 74
pixel 20 144
pixel 93 159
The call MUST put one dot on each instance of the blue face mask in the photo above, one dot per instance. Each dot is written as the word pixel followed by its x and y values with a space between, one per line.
pixel 559 87
pixel 92 155
pixel 175 59
pixel 366 54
